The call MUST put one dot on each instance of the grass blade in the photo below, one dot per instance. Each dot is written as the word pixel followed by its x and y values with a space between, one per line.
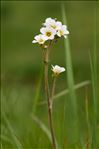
pixel 93 66
pixel 78 86
pixel 64 92
pixel 70 78
pixel 5 138
pixel 73 123
pixel 43 128
pixel 94 108
pixel 37 94
pixel 17 142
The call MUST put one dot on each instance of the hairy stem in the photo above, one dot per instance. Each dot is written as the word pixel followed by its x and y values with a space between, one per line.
pixel 46 59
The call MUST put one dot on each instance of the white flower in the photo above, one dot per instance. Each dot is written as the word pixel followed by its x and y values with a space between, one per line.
pixel 57 70
pixel 49 22
pixel 62 31
pixel 48 32
pixel 51 29
pixel 39 39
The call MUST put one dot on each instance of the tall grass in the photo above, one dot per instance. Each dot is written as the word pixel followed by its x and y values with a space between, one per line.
pixel 69 67
pixel 11 131
pixel 37 93
pixel 94 79
pixel 70 80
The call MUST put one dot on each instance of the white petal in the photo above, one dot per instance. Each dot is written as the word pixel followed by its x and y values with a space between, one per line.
pixel 48 19
pixel 56 66
pixel 58 33
pixel 45 37
pixel 62 69
pixel 51 37
pixel 67 32
pixel 42 30
pixel 49 22
pixel 57 69
pixel 34 41
pixel 65 36
pixel 54 31
pixel 64 27
pixel 37 37
pixel 59 25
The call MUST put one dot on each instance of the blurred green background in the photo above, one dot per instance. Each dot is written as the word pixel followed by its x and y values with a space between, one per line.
pixel 22 63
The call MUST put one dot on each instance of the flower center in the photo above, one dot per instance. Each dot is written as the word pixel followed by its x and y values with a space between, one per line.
pixel 53 26
pixel 48 34
pixel 40 40
pixel 61 33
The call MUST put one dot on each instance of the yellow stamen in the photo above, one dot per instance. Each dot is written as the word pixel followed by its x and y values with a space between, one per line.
pixel 61 33
pixel 53 26
pixel 40 40
pixel 48 34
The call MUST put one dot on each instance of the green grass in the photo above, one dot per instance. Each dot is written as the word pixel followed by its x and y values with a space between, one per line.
pixel 70 81
pixel 94 79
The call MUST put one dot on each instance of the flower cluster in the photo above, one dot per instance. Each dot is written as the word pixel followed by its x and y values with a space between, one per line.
pixel 52 29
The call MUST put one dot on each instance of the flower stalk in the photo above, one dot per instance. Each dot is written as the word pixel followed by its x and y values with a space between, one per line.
pixel 49 101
